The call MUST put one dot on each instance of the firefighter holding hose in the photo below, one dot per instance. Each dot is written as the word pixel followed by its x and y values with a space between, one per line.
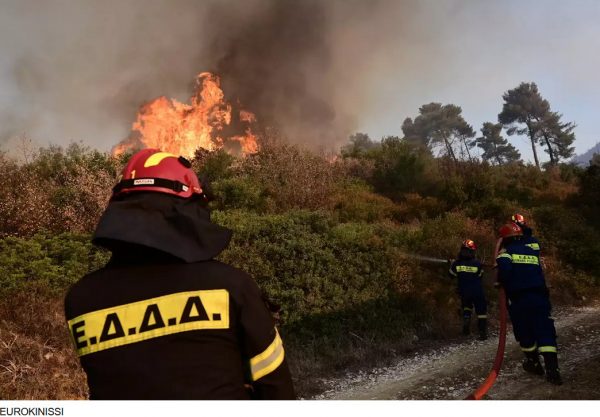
pixel 163 319
pixel 468 271
pixel 521 275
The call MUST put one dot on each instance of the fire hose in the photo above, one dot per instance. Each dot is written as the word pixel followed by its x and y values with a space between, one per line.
pixel 491 378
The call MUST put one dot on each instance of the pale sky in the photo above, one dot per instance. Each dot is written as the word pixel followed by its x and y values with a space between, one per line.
pixel 78 70
pixel 485 48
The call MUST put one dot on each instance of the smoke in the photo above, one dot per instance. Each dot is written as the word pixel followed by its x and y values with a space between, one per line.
pixel 278 64
pixel 80 71
pixel 315 69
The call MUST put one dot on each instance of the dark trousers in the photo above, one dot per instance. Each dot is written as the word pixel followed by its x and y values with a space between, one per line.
pixel 532 325
pixel 473 297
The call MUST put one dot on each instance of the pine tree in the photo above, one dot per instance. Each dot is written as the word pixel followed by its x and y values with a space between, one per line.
pixel 557 136
pixel 496 148
pixel 524 105
pixel 525 111
pixel 439 126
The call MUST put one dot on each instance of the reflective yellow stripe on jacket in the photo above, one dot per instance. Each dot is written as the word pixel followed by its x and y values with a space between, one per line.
pixel 505 255
pixel 142 320
pixel 521 259
pixel 525 259
pixel 266 362
pixel 464 268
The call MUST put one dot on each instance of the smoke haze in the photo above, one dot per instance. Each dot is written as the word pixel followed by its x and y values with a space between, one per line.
pixel 318 70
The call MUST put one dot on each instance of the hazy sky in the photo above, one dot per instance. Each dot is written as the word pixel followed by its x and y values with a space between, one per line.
pixel 78 70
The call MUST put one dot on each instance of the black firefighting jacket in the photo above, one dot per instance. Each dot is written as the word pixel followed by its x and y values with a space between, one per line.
pixel 151 325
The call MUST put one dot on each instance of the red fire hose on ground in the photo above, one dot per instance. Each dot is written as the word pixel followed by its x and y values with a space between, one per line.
pixel 491 378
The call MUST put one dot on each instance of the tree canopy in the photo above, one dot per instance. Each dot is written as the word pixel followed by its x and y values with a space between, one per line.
pixel 441 126
pixel 360 144
pixel 526 112
pixel 496 148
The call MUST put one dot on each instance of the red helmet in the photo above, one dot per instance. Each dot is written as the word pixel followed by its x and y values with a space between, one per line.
pixel 159 172
pixel 469 244
pixel 518 218
pixel 510 230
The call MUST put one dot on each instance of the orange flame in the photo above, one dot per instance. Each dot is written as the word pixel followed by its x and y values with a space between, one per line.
pixel 181 128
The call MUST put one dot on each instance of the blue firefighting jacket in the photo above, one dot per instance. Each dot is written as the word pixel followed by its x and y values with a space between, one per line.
pixel 519 267
pixel 529 240
pixel 468 272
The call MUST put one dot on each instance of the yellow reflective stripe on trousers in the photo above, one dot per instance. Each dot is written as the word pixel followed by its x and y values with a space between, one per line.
pixel 525 259
pixel 482 316
pixel 543 349
pixel 267 361
pixel 529 349
pixel 147 319
pixel 464 268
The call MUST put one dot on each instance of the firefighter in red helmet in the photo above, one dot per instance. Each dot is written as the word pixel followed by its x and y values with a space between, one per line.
pixel 163 319
pixel 521 275
pixel 468 271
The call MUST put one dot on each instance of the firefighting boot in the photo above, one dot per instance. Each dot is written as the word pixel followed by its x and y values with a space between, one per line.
pixel 551 364
pixel 532 363
pixel 466 328
pixel 482 326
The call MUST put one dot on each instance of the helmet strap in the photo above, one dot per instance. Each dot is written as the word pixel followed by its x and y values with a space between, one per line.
pixel 176 186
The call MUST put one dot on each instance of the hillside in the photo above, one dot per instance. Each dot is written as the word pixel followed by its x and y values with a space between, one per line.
pixel 329 239
pixel 585 158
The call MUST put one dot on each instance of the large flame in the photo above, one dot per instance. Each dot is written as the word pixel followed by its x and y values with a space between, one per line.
pixel 208 122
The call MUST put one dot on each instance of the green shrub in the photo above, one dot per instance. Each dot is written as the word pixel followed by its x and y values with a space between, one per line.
pixel 310 264
pixel 240 193
pixel 213 165
pixel 576 241
pixel 441 237
pixel 48 262
pixel 357 202
pixel 400 168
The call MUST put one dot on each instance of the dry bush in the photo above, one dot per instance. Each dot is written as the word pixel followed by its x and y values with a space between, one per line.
pixel 442 237
pixel 37 360
pixel 24 204
pixel 57 190
pixel 87 196
pixel 416 207
pixel 293 177
pixel 361 168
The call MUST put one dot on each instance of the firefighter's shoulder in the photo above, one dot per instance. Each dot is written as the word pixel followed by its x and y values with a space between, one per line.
pixel 504 254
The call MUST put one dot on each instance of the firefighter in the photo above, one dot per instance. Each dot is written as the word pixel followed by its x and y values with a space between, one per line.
pixel 521 275
pixel 468 271
pixel 163 319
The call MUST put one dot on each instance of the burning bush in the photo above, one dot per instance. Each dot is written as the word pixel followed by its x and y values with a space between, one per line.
pixel 208 122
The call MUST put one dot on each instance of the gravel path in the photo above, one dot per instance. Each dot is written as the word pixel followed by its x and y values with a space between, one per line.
pixel 454 371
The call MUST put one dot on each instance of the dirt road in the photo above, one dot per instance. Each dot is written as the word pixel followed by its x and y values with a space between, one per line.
pixel 454 371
